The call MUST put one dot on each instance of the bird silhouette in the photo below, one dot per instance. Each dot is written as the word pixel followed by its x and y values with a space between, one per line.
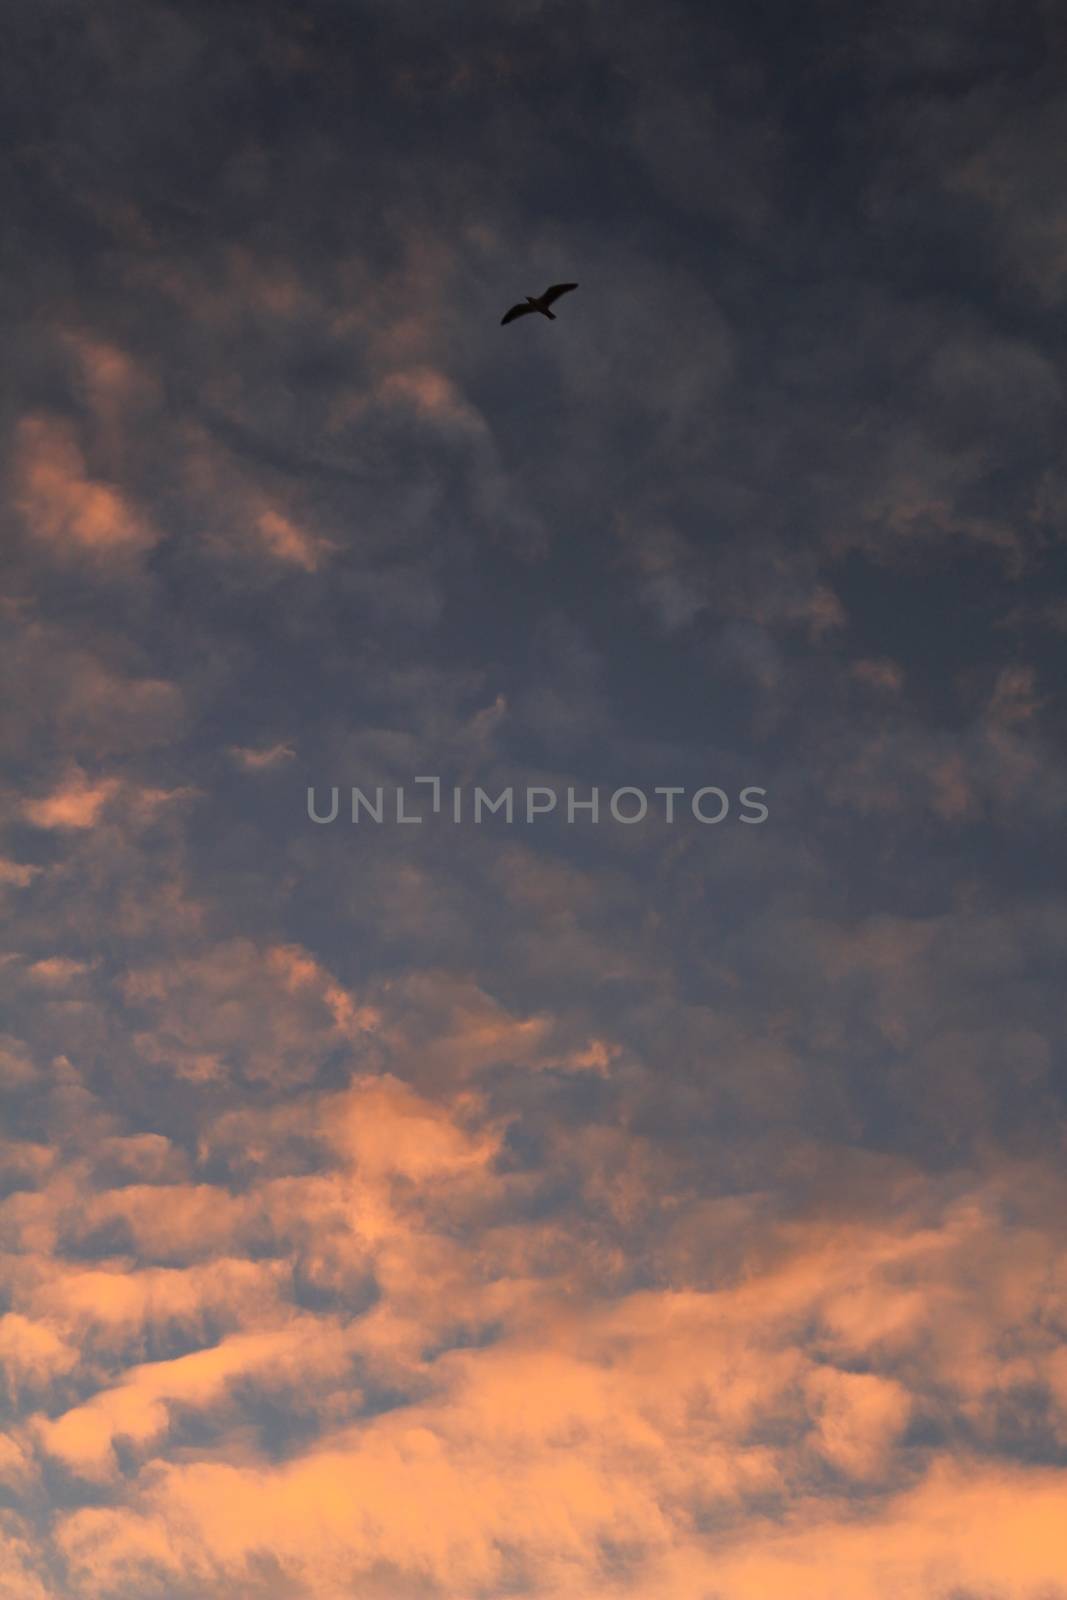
pixel 538 303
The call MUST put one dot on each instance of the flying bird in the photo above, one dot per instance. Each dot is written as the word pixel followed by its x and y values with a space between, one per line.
pixel 539 303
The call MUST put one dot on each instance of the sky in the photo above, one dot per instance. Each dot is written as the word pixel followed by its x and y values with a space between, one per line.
pixel 545 1208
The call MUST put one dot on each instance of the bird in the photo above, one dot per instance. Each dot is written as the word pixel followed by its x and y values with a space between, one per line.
pixel 538 303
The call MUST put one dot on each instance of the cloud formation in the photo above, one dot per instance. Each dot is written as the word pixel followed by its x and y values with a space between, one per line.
pixel 455 1211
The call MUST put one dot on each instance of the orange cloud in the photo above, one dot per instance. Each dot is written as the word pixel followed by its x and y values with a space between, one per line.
pixel 540 1417
pixel 118 390
pixel 253 760
pixel 271 1013
pixel 288 542
pixel 18 874
pixel 32 1353
pixel 433 396
pixel 19 1555
pixel 56 971
pixel 16 1063
pixel 738 1425
pixel 117 1304
pixel 858 1418
pixel 76 803
pixel 61 504
pixel 240 518
pixel 138 1409
pixel 441 1027
pixel 386 1128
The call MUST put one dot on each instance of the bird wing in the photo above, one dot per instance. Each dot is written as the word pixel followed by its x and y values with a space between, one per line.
pixel 555 291
pixel 516 311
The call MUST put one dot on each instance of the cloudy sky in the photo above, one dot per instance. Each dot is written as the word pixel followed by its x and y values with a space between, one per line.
pixel 657 1210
